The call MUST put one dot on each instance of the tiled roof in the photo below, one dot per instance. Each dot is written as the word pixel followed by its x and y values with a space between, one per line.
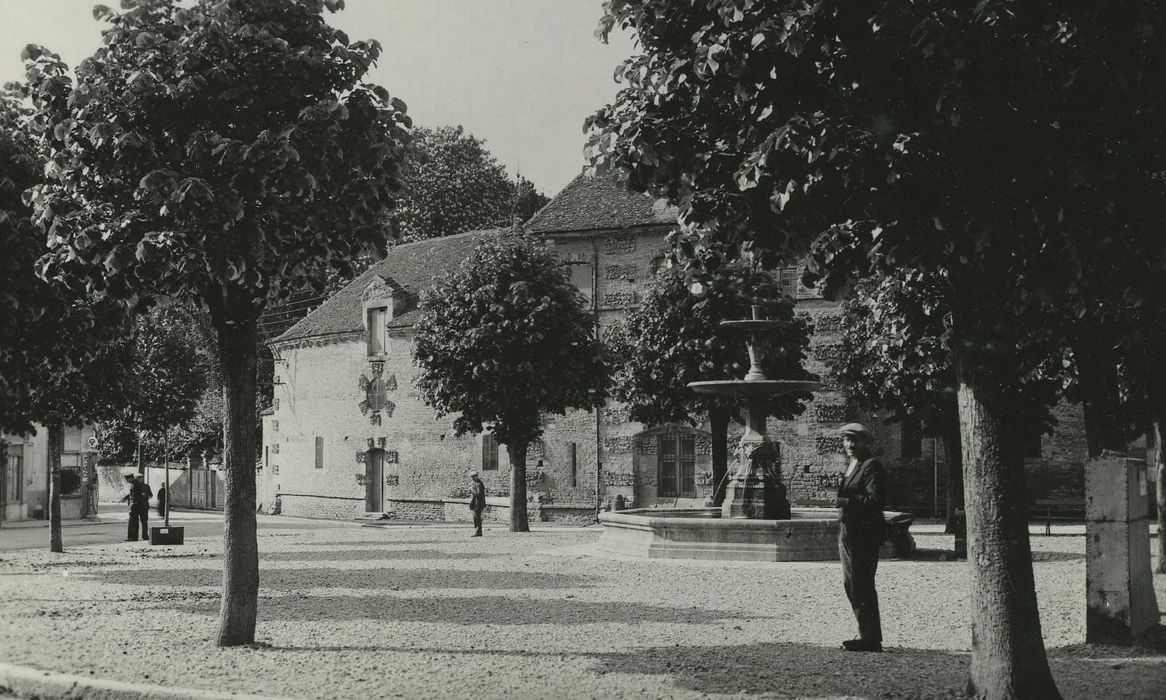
pixel 599 202
pixel 411 265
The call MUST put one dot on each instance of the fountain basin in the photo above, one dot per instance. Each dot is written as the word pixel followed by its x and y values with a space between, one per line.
pixel 811 534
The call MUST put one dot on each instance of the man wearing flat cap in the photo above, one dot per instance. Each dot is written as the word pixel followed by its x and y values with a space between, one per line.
pixel 861 533
pixel 477 502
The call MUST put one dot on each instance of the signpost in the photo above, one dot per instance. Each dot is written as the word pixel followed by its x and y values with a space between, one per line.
pixel 166 534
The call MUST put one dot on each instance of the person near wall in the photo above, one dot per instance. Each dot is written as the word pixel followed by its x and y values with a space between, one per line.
pixel 477 502
pixel 861 532
pixel 162 504
pixel 139 500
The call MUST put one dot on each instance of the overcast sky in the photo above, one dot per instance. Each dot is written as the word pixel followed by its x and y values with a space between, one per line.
pixel 522 74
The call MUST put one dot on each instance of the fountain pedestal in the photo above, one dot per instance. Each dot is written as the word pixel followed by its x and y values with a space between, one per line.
pixel 756 491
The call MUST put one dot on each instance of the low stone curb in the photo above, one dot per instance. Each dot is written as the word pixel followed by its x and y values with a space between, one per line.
pixel 33 682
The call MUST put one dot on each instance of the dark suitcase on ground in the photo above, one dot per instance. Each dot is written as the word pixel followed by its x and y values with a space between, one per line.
pixel 166 535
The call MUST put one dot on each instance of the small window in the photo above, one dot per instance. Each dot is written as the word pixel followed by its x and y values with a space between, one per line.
pixel 659 262
pixel 677 454
pixel 489 453
pixel 376 330
pixel 787 277
pixel 72 440
pixel 319 452
pixel 266 456
pixel 573 458
pixel 583 279
pixel 1031 443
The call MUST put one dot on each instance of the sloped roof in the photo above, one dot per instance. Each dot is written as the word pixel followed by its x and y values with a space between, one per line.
pixel 411 266
pixel 599 202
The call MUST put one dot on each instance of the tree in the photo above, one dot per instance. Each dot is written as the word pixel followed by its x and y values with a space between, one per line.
pixel 167 379
pixel 453 184
pixel 527 199
pixel 674 337
pixel 63 357
pixel 884 137
pixel 504 340
pixel 218 153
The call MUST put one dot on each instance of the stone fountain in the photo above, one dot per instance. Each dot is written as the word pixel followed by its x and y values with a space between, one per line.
pixel 755 522
pixel 756 490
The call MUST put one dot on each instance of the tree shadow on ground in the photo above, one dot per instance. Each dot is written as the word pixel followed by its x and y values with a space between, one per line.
pixel 1150 643
pixel 799 670
pixel 932 555
pixel 1057 556
pixel 372 554
pixel 473 610
pixel 367 543
pixel 318 577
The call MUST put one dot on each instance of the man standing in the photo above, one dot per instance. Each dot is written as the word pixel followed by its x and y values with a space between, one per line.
pixel 477 502
pixel 139 499
pixel 860 534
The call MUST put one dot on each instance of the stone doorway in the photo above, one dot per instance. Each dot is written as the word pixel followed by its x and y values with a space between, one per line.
pixel 374 481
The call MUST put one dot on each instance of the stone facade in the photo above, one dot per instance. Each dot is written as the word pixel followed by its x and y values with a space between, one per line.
pixel 24 474
pixel 348 434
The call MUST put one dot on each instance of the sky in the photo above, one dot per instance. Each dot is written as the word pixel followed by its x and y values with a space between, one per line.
pixel 521 74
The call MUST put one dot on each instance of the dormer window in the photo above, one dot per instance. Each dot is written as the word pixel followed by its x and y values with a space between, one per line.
pixel 375 324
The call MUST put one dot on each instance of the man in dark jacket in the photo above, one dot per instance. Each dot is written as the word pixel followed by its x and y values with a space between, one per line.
pixel 477 502
pixel 861 533
pixel 139 500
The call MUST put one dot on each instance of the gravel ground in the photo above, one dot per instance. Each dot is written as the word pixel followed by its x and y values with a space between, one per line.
pixel 428 612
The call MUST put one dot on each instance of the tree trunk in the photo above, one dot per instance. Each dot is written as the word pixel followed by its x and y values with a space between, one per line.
pixel 518 519
pixel 56 439
pixel 3 480
pixel 1160 490
pixel 953 452
pixel 719 426
pixel 1008 654
pixel 235 330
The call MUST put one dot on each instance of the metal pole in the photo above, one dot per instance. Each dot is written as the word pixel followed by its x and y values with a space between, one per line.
pixel 935 477
pixel 166 456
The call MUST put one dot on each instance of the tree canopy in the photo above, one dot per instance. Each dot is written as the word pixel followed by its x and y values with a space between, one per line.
pixel 454 184
pixel 504 340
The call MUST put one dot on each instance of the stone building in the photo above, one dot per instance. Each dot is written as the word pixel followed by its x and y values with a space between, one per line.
pixel 24 474
pixel 348 435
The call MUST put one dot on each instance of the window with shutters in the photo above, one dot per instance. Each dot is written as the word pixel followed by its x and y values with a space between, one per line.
pixel 489 453
pixel 677 460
